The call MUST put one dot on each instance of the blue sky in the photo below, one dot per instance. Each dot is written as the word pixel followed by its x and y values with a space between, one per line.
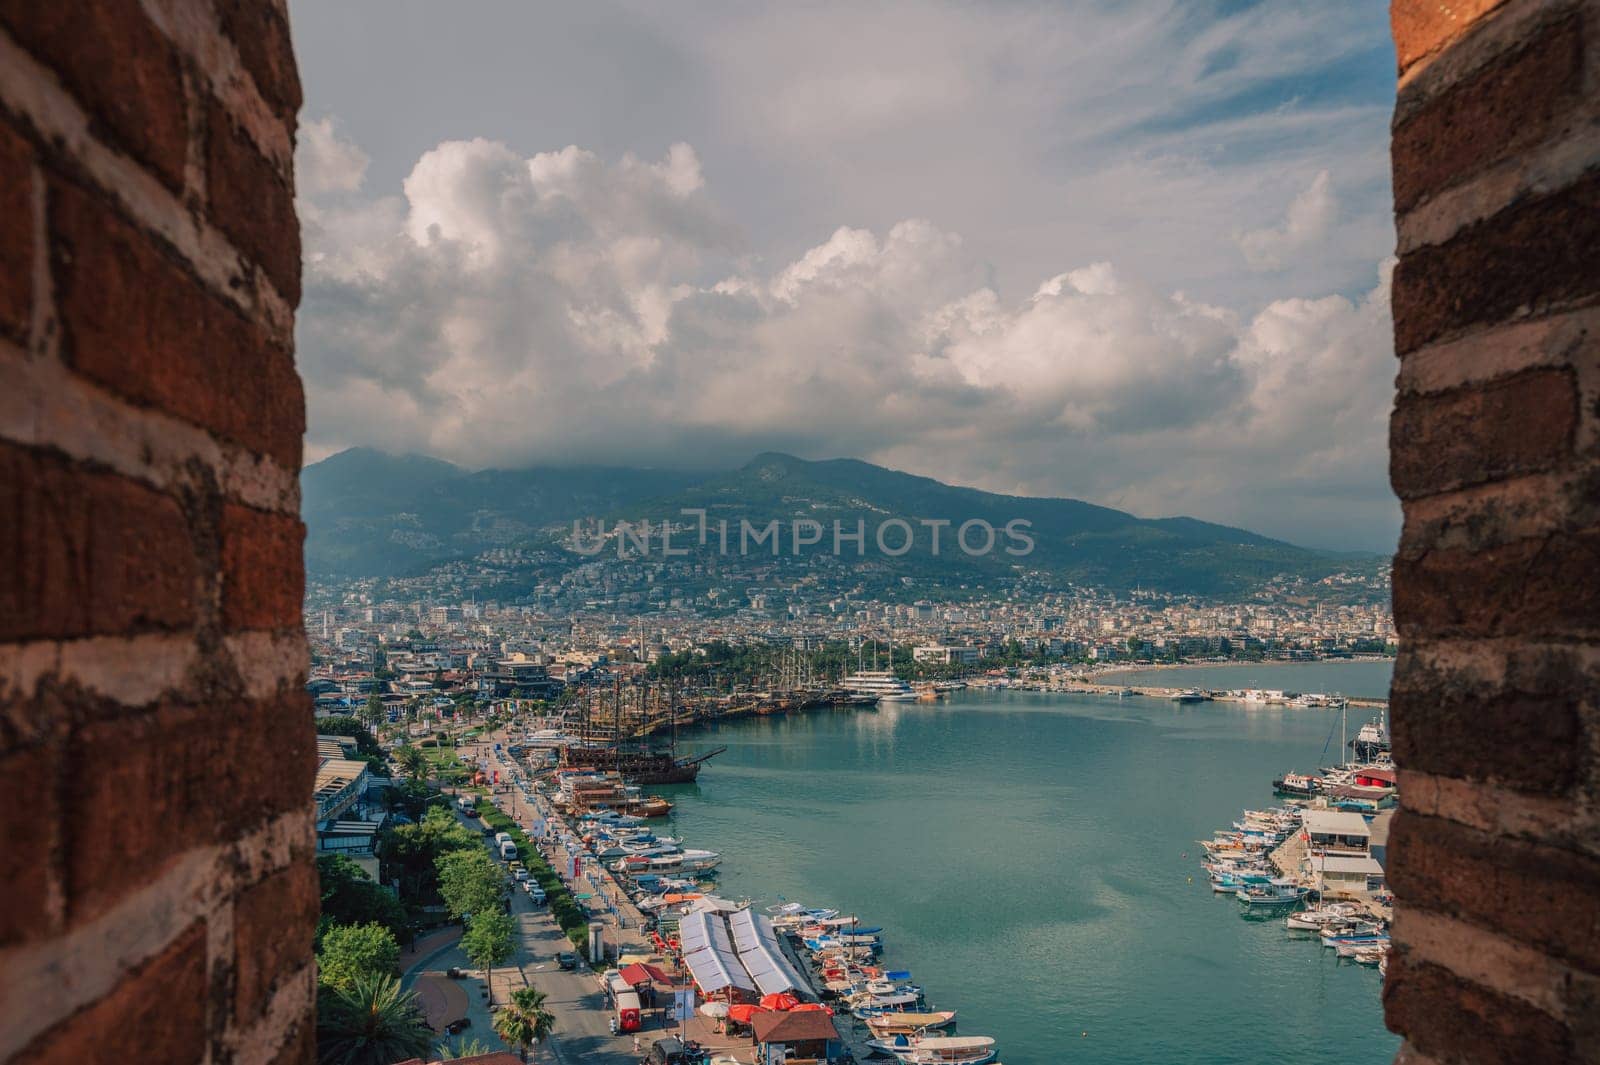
pixel 1127 252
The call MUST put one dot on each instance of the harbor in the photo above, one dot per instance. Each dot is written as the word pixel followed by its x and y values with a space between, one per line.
pixel 1031 859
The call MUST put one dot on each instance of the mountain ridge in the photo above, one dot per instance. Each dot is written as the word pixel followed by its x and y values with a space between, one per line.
pixel 373 514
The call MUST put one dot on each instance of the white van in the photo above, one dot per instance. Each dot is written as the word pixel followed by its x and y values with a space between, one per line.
pixel 508 850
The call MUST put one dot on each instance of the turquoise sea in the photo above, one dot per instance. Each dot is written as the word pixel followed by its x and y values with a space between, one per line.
pixel 1030 857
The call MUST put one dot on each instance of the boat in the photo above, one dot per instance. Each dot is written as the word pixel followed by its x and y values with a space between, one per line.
pixel 948 1050
pixel 1372 740
pixel 638 767
pixel 1297 784
pixel 1318 919
pixel 887 1024
pixel 881 684
pixel 1190 695
pixel 1270 891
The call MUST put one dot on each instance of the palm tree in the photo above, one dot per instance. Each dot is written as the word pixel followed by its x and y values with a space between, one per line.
pixel 470 1048
pixel 373 1022
pixel 524 1022
pixel 412 762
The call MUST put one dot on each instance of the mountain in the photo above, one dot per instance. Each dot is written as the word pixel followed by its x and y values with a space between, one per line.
pixel 372 514
pixel 1076 541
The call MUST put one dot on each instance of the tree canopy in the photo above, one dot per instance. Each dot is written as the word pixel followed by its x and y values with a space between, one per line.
pixel 354 952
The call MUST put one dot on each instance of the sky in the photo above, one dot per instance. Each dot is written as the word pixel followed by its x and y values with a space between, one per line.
pixel 1133 252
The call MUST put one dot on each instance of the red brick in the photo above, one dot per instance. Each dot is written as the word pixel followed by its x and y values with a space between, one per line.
pixel 123 71
pixel 1530 588
pixel 1522 424
pixel 30 858
pixel 156 1014
pixel 1534 894
pixel 16 234
pixel 89 552
pixel 1513 103
pixel 1531 741
pixel 1421 27
pixel 273 925
pixel 262 36
pixel 263 569
pixel 136 321
pixel 251 201
pixel 202 777
pixel 1454 1020
pixel 1537 255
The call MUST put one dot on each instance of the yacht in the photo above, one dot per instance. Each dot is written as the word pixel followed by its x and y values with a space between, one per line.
pixel 883 684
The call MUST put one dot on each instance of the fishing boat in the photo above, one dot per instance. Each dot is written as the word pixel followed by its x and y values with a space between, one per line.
pixel 1270 891
pixel 1297 784
pixel 948 1050
pixel 1191 695
pixel 1318 919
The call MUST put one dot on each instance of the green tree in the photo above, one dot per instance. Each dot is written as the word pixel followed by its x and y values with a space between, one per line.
pixel 524 1021
pixel 467 1048
pixel 373 713
pixel 373 1022
pixel 491 939
pixel 470 882
pixel 412 762
pixel 354 952
pixel 410 853
pixel 350 897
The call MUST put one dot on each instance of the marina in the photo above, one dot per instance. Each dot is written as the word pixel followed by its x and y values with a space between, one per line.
pixel 1030 866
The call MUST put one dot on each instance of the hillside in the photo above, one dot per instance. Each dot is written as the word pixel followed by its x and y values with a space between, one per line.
pixel 371 514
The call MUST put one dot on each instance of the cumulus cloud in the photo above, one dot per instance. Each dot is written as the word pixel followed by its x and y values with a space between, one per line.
pixel 324 163
pixel 559 307
pixel 1310 217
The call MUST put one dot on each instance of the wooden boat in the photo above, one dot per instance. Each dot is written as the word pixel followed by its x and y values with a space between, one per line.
pixel 887 1024
pixel 948 1050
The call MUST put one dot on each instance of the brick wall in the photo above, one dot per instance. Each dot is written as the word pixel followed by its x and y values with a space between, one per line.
pixel 1495 453
pixel 156 888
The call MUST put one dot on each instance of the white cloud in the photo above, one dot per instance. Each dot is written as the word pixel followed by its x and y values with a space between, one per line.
pixel 557 307
pixel 324 163
pixel 1310 216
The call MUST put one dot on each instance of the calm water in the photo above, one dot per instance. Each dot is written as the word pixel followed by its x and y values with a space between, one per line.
pixel 1025 853
pixel 1362 680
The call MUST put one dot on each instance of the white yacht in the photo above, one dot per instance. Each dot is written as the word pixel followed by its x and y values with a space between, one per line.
pixel 882 684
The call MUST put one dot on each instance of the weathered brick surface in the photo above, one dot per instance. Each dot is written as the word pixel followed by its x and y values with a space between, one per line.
pixel 1422 27
pixel 157 1014
pixel 1534 588
pixel 1535 256
pixel 155 776
pixel 273 924
pixel 1515 102
pixel 1537 895
pixel 88 552
pixel 1530 741
pixel 203 776
pixel 125 73
pixel 16 234
pixel 135 321
pixel 29 858
pixel 263 582
pixel 1454 1020
pixel 252 202
pixel 1471 435
pixel 262 37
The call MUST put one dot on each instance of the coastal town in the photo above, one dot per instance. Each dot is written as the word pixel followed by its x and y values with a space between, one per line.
pixel 534 741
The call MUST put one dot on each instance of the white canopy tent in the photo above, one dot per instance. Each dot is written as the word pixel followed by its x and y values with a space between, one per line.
pixel 761 955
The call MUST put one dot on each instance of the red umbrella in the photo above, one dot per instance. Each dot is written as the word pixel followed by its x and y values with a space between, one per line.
pixel 743 1012
pixel 780 1002
pixel 812 1007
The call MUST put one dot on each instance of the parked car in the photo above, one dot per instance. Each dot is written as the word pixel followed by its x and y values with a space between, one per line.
pixel 567 960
